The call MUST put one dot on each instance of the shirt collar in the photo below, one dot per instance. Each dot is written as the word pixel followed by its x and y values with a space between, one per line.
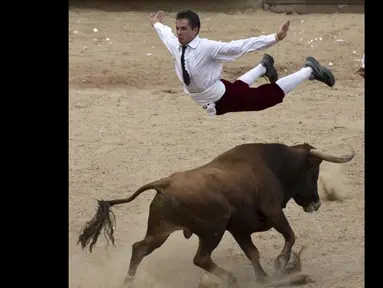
pixel 194 43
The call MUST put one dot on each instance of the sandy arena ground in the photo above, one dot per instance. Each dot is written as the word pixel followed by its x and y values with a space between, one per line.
pixel 130 123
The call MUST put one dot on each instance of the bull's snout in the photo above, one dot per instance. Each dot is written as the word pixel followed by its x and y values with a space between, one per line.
pixel 314 206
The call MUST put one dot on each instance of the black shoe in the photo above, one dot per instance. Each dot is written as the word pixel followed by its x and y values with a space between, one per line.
pixel 271 73
pixel 320 73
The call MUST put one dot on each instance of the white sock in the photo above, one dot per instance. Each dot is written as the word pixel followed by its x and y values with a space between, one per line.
pixel 251 76
pixel 291 81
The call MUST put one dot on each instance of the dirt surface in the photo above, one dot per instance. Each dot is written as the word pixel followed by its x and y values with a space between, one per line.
pixel 130 123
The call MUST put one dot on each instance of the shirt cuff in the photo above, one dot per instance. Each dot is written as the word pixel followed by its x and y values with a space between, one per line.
pixel 272 37
pixel 158 25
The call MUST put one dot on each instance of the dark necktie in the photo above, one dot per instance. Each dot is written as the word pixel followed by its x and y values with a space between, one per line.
pixel 185 74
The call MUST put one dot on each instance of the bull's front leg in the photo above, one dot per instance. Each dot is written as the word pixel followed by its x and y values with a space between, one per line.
pixel 252 253
pixel 279 221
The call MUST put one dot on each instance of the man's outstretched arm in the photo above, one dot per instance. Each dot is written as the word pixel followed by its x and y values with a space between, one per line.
pixel 229 51
pixel 165 32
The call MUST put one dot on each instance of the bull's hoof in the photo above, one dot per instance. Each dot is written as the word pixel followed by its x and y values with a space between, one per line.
pixel 207 282
pixel 280 263
pixel 233 284
pixel 128 282
pixel 294 265
pixel 262 280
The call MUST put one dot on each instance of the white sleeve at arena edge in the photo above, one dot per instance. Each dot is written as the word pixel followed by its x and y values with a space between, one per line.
pixel 166 36
pixel 363 61
pixel 229 51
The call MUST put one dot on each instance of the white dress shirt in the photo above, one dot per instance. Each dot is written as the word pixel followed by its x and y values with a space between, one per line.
pixel 203 58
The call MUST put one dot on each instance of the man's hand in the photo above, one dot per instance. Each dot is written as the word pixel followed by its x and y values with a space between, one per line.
pixel 281 34
pixel 156 17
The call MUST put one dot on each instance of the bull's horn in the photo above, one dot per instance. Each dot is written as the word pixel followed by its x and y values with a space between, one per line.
pixel 331 158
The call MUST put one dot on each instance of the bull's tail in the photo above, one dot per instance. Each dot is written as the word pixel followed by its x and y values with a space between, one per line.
pixel 104 217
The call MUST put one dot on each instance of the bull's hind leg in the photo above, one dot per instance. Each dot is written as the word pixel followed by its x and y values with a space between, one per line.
pixel 157 233
pixel 203 259
pixel 141 249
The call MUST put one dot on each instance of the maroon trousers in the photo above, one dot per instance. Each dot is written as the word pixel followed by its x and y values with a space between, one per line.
pixel 239 97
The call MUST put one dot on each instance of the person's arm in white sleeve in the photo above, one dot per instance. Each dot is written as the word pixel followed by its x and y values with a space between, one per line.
pixel 166 35
pixel 229 51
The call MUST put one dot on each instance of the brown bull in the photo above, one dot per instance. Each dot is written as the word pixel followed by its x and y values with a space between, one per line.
pixel 243 191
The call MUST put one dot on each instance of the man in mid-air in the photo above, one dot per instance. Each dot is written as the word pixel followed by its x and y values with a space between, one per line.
pixel 198 64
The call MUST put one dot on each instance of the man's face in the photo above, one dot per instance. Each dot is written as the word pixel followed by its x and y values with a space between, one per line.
pixel 185 33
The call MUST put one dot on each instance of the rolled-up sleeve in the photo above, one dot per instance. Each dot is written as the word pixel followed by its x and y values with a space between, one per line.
pixel 166 35
pixel 228 51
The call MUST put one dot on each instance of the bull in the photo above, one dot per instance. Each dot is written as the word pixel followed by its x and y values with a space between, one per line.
pixel 243 190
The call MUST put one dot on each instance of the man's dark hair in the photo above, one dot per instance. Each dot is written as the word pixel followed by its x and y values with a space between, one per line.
pixel 192 17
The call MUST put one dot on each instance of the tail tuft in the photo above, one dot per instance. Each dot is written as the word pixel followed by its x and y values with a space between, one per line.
pixel 104 218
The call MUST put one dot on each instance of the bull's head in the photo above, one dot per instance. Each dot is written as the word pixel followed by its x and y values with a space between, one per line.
pixel 306 193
